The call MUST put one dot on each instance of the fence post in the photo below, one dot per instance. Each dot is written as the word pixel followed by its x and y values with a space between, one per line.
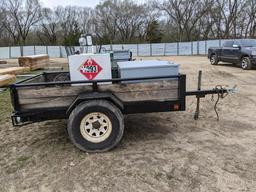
pixel 34 50
pixel 178 48
pixel 60 52
pixel 21 51
pixel 219 42
pixel 192 48
pixel 150 49
pixel 197 47
pixel 47 51
pixel 164 49
pixel 205 47
pixel 10 52
pixel 137 49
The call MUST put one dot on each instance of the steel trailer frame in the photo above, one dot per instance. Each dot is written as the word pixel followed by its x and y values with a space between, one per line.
pixel 20 118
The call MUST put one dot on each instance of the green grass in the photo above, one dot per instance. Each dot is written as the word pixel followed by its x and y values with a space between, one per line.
pixel 5 105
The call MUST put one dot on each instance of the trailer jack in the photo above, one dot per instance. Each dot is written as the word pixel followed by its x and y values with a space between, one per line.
pixel 219 90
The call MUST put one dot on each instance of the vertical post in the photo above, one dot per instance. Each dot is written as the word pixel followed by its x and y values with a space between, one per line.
pixel 197 47
pixel 178 48
pixel 138 50
pixel 192 48
pixel 205 47
pixel 21 50
pixel 164 49
pixel 196 115
pixel 219 42
pixel 95 86
pixel 47 51
pixel 182 92
pixel 60 52
pixel 10 52
pixel 150 49
pixel 34 50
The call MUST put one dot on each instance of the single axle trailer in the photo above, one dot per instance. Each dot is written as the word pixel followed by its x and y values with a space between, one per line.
pixel 95 109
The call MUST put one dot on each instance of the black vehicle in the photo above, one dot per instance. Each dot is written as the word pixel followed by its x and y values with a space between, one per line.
pixel 94 110
pixel 239 52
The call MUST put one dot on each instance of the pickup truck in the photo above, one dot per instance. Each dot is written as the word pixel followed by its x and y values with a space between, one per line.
pixel 239 52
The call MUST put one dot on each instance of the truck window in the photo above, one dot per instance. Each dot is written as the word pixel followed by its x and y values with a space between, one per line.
pixel 237 43
pixel 228 44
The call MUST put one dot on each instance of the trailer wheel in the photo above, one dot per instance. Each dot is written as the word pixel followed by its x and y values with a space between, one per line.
pixel 96 126
pixel 213 59
pixel 246 63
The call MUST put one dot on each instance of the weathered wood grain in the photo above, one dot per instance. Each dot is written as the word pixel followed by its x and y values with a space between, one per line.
pixel 3 62
pixel 43 97
pixel 34 92
pixel 34 62
pixel 7 80
pixel 46 102
pixel 13 70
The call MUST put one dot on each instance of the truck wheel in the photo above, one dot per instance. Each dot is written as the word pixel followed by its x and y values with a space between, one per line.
pixel 246 63
pixel 96 126
pixel 213 59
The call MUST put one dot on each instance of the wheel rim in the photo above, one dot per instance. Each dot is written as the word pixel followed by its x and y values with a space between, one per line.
pixel 244 64
pixel 212 60
pixel 96 127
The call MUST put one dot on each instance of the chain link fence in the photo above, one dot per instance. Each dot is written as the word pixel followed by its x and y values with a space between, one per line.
pixel 155 49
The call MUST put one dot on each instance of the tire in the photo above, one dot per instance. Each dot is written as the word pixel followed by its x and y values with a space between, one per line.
pixel 96 126
pixel 214 59
pixel 246 63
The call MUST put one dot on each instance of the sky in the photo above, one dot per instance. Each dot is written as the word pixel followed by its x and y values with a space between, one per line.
pixel 85 3
pixel 55 3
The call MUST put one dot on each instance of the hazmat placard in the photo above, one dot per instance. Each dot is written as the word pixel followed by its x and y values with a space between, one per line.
pixel 87 67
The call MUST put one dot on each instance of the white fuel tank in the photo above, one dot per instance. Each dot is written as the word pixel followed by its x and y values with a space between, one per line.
pixel 87 67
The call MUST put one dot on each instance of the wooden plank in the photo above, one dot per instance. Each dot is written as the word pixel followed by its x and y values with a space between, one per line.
pixel 38 92
pixel 7 80
pixel 46 103
pixel 13 70
pixel 43 97
pixel 3 62
pixel 34 62
pixel 127 97
pixel 158 95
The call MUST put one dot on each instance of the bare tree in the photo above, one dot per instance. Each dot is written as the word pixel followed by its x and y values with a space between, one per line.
pixel 129 18
pixel 48 27
pixel 85 15
pixel 250 11
pixel 228 16
pixel 185 14
pixel 104 20
pixel 2 15
pixel 20 18
pixel 127 21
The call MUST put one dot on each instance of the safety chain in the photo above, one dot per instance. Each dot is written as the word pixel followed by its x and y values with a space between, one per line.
pixel 221 94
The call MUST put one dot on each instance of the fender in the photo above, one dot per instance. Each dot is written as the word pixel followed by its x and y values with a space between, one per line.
pixel 95 96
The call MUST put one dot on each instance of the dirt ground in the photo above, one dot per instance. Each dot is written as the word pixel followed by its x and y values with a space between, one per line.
pixel 159 152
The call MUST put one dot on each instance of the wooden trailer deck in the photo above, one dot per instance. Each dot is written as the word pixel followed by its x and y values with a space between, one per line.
pixel 39 93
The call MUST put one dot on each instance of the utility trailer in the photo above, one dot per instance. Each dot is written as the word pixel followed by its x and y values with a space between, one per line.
pixel 95 109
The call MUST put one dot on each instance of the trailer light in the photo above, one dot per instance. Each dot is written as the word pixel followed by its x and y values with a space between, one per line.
pixel 176 107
